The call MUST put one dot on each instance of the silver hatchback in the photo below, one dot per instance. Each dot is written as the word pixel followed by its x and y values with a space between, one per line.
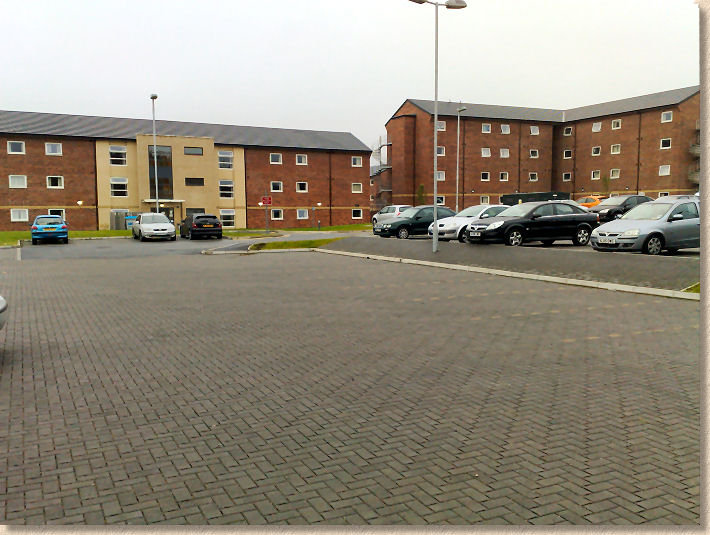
pixel 388 213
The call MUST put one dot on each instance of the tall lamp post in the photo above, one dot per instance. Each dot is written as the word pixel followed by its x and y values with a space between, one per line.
pixel 458 134
pixel 449 4
pixel 153 97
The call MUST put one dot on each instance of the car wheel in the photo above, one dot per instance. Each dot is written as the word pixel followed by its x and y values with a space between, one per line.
pixel 514 237
pixel 140 236
pixel 219 236
pixel 547 243
pixel 66 241
pixel 672 250
pixel 462 235
pixel 134 235
pixel 653 245
pixel 403 233
pixel 34 241
pixel 374 221
pixel 582 236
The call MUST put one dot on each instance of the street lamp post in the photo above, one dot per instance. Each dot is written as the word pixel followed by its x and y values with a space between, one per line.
pixel 458 134
pixel 153 97
pixel 449 4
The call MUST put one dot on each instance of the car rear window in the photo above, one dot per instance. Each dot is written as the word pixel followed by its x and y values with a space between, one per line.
pixel 206 218
pixel 48 221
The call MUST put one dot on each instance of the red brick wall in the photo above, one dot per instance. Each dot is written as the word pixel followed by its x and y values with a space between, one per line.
pixel 401 154
pixel 76 165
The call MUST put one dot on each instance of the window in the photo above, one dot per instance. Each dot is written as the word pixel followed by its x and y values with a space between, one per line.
pixel 275 158
pixel 614 173
pixel 56 211
pixel 505 129
pixel 664 170
pixel 485 128
pixel 356 187
pixel 301 159
pixel 534 130
pixel 666 116
pixel 277 214
pixel 503 176
pixel 301 187
pixel 226 189
pixel 613 195
pixel 666 143
pixel 18 181
pixel 119 187
pixel 19 214
pixel 663 194
pixel 357 213
pixel 440 176
pixel 688 211
pixel 440 199
pixel 16 147
pixel 566 177
pixel 117 154
pixel 597 127
pixel 504 153
pixel 277 186
pixel 567 154
pixel 616 124
pixel 55 182
pixel 534 153
pixel 596 151
pixel 441 126
pixel 372 182
pixel 596 175
pixel 302 213
pixel 189 181
pixel 193 151
pixel 193 211
pixel 372 197
pixel 225 159
pixel 227 217
pixel 485 199
pixel 485 176
pixel 485 152
pixel 356 161
pixel 53 149
pixel 567 131
pixel 532 177
pixel 441 151
pixel 616 149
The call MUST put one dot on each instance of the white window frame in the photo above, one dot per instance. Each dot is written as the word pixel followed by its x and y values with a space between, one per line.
pixel 534 130
pixel 532 177
pixel 666 116
pixel 62 214
pixel 534 153
pixel 662 194
pixel 661 147
pixel 598 173
pixel 598 150
pixel 19 214
pixel 47 153
pixel 615 124
pixel 503 176
pixel 485 128
pixel 61 186
pixel 567 131
pixel 372 182
pixel 564 154
pixel 281 214
pixel 372 197
pixel 505 129
pixel 226 183
pixel 301 190
pixel 272 161
pixel 280 186
pixel 440 176
pixel 229 161
pixel 612 173
pixel 299 211
pixel 618 151
pixel 662 168
pixel 227 211
pixel 117 180
pixel 485 176
pixel 613 195
pixel 485 152
pixel 441 150
pixel 440 200
pixel 566 176
pixel 356 161
pixel 597 127
pixel 304 157
pixel 354 187
pixel 16 177
pixel 485 199
pixel 352 213
pixel 119 149
pixel 441 126
pixel 505 153
pixel 15 152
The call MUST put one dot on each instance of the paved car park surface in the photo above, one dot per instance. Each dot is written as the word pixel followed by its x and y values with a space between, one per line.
pixel 290 397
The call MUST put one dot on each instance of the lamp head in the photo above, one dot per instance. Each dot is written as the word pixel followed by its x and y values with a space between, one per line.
pixel 460 109
pixel 418 1
pixel 455 4
pixel 153 96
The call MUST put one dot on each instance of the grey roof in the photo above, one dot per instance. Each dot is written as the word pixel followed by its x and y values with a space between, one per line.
pixel 654 100
pixel 23 122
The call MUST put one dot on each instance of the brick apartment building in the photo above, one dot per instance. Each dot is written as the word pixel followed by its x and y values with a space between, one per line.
pixel 95 170
pixel 647 144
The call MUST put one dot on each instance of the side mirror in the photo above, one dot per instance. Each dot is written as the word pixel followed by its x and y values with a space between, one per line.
pixel 675 217
pixel 535 216
pixel 417 217
pixel 484 216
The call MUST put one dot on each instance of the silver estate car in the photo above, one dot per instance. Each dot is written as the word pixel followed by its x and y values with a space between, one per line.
pixel 652 227
pixel 389 212
pixel 454 227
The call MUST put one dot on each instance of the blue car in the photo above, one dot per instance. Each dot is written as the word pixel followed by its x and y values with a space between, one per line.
pixel 49 227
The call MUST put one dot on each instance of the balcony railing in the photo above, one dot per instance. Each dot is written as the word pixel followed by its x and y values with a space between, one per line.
pixel 695 150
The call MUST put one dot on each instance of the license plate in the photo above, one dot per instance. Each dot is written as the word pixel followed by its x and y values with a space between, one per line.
pixel 49 228
pixel 475 234
pixel 208 225
pixel 607 240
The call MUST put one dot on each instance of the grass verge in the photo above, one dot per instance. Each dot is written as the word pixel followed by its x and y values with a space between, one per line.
pixel 244 233
pixel 694 289
pixel 300 244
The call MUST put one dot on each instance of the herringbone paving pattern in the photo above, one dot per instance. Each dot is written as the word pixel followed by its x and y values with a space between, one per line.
pixel 305 389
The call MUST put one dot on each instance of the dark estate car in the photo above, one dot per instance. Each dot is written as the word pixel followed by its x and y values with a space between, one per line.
pixel 198 225
pixel 536 221
pixel 614 207
pixel 413 221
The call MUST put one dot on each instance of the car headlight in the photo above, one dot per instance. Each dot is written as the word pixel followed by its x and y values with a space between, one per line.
pixel 386 225
pixel 631 233
pixel 495 225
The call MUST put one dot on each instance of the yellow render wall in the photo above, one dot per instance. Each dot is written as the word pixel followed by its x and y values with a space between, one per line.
pixel 105 171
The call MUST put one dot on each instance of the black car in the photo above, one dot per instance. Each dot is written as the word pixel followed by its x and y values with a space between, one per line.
pixel 614 207
pixel 200 225
pixel 415 220
pixel 535 221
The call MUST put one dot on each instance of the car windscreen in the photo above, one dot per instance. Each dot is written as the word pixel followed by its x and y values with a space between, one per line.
pixel 471 211
pixel 48 221
pixel 612 201
pixel 155 218
pixel 409 212
pixel 517 210
pixel 648 210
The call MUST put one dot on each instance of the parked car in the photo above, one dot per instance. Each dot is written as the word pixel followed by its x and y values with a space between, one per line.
pixel 389 212
pixel 415 220
pixel 590 200
pixel 150 225
pixel 3 312
pixel 49 227
pixel 454 227
pixel 652 227
pixel 201 225
pixel 615 207
pixel 535 221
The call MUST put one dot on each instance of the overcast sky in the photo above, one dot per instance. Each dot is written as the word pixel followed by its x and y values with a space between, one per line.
pixel 343 65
